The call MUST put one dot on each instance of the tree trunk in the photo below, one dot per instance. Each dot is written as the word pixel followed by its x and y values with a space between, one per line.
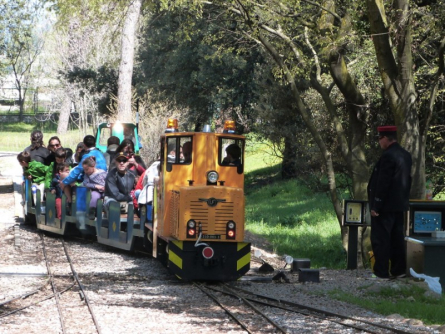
pixel 126 64
pixel 398 81
pixel 64 115
pixel 354 154
pixel 289 168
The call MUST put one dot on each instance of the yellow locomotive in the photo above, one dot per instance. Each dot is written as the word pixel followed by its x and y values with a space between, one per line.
pixel 198 204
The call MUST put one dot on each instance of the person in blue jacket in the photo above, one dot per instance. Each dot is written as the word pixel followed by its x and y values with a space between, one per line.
pixel 76 174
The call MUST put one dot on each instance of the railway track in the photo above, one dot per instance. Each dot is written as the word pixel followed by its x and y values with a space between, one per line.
pixel 257 313
pixel 56 256
pixel 70 301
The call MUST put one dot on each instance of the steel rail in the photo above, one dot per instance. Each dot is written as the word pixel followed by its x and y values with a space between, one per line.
pixel 53 284
pixel 25 295
pixel 245 300
pixel 37 302
pixel 216 300
pixel 326 313
pixel 81 288
pixel 230 293
pixel 248 304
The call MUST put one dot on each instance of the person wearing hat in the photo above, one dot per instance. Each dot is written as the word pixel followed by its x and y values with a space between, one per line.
pixel 388 196
pixel 120 182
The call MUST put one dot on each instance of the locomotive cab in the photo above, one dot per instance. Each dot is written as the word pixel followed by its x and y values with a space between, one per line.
pixel 199 205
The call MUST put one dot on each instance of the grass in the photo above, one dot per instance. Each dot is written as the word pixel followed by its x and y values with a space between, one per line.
pixel 15 137
pixel 289 215
pixel 296 222
pixel 408 300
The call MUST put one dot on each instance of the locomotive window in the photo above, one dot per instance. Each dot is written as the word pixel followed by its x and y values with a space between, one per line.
pixel 179 151
pixel 186 150
pixel 231 153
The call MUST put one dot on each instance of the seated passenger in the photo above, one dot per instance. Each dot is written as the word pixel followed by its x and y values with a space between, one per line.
pixel 145 185
pixel 119 182
pixel 112 145
pixel 35 171
pixel 62 171
pixel 77 156
pixel 187 152
pixel 95 181
pixel 171 153
pixel 59 156
pixel 233 156
pixel 37 149
pixel 76 174
pixel 135 163
pixel 53 145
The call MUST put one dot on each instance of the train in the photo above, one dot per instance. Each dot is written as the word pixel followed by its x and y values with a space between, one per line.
pixel 195 223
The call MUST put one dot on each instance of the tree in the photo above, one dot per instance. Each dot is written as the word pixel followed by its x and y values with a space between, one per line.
pixel 394 31
pixel 127 59
pixel 180 67
pixel 19 43
pixel 85 58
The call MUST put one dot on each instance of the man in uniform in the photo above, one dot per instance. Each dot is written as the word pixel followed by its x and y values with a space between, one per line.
pixel 388 195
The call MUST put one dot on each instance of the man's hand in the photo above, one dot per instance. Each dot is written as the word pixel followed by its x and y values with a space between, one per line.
pixel 374 214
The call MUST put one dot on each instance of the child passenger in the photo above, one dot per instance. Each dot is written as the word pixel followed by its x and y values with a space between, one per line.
pixel 62 170
pixel 60 158
pixel 38 173
pixel 95 180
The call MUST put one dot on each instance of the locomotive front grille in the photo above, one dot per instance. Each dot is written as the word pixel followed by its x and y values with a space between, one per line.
pixel 210 209
pixel 218 215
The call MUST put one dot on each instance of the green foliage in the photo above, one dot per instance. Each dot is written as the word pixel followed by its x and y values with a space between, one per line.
pixel 19 41
pixel 176 62
pixel 100 82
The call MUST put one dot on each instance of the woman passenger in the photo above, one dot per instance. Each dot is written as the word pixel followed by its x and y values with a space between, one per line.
pixel 135 163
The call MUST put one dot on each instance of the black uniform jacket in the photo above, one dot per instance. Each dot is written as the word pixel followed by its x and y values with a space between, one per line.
pixel 390 182
pixel 119 186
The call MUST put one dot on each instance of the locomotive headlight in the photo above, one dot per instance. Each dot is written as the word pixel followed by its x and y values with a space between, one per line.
pixel 231 230
pixel 212 176
pixel 191 229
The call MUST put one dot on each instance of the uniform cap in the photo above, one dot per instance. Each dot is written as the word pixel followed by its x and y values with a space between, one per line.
pixel 121 156
pixel 386 130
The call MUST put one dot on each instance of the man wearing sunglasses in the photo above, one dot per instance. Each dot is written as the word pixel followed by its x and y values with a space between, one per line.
pixel 388 196
pixel 119 182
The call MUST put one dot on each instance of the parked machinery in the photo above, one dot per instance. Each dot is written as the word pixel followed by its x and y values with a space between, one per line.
pixel 195 223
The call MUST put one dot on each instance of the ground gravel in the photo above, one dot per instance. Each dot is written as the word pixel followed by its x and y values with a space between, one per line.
pixel 132 293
